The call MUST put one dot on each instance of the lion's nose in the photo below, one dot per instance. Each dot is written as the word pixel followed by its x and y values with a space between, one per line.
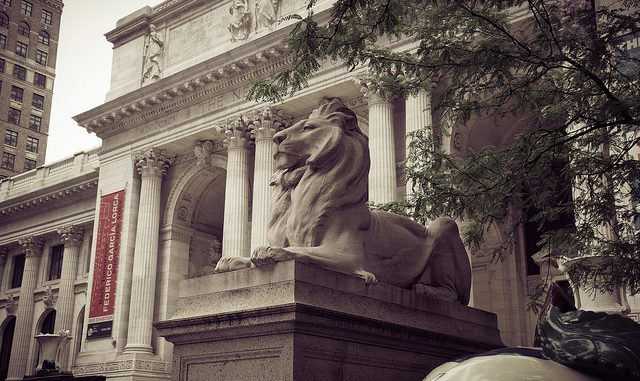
pixel 279 137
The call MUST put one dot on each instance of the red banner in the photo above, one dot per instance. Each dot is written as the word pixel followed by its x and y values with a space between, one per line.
pixel 105 268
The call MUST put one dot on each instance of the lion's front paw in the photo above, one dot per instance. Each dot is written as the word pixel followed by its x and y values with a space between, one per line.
pixel 265 255
pixel 368 277
pixel 232 264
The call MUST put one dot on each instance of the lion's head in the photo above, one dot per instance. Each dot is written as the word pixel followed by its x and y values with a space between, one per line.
pixel 323 165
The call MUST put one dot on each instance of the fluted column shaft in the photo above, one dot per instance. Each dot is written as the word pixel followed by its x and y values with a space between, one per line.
pixel 382 175
pixel 263 170
pixel 23 334
pixel 151 165
pixel 71 236
pixel 3 260
pixel 236 196
pixel 418 116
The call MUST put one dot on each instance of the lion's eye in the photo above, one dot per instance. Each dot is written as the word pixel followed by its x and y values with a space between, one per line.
pixel 308 127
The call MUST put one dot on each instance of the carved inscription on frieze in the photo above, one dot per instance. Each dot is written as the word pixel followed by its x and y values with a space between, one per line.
pixel 198 35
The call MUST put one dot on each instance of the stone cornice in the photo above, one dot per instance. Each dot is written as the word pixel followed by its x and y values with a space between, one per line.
pixel 45 199
pixel 55 4
pixel 150 102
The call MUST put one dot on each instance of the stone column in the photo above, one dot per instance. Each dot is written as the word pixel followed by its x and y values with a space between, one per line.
pixel 236 195
pixel 71 236
pixel 23 334
pixel 151 164
pixel 418 116
pixel 382 175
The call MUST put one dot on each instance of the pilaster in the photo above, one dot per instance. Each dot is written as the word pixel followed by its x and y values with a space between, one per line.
pixel 151 164
pixel 23 334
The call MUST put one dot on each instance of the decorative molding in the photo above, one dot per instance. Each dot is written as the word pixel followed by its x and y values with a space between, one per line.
pixel 152 161
pixel 111 367
pixel 202 151
pixel 31 246
pixel 70 235
pixel 57 5
pixel 48 299
pixel 202 88
pixel 73 193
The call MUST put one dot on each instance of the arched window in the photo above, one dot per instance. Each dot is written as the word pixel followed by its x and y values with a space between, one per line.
pixel 49 322
pixel 23 29
pixel 43 37
pixel 4 20
pixel 5 349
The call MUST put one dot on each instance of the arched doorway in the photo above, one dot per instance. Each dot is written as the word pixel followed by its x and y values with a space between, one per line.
pixel 7 340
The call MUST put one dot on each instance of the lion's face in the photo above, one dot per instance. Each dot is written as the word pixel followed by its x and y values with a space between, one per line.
pixel 304 142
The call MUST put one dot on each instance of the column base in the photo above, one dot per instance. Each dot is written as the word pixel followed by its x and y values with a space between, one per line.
pixel 292 321
pixel 137 348
pixel 125 367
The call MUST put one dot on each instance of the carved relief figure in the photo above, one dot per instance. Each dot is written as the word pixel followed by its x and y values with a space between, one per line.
pixel 240 20
pixel 266 11
pixel 213 253
pixel 320 215
pixel 153 49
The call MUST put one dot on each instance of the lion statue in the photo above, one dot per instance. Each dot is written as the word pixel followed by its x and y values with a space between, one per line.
pixel 320 215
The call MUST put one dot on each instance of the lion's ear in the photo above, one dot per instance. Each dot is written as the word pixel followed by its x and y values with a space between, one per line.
pixel 324 147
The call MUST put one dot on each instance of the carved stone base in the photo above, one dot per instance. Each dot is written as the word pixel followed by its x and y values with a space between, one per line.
pixel 293 321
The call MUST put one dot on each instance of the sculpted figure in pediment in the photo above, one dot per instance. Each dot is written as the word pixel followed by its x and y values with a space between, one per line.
pixel 240 21
pixel 266 14
pixel 153 50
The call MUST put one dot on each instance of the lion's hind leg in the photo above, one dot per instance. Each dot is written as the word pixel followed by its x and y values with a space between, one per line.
pixel 447 274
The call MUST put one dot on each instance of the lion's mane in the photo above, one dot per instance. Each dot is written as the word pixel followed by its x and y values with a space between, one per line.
pixel 331 180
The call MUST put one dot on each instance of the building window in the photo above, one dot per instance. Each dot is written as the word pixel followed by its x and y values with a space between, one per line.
pixel 8 160
pixel 1 65
pixel 23 29
pixel 41 57
pixel 3 41
pixel 35 122
pixel 4 20
pixel 32 144
pixel 46 17
pixel 43 37
pixel 25 8
pixel 21 49
pixel 11 138
pixel 19 72
pixel 29 164
pixel 37 101
pixel 13 116
pixel 55 267
pixel 18 268
pixel 40 80
pixel 16 93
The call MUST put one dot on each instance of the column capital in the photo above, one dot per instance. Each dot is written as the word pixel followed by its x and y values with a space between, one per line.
pixel 237 134
pixel 31 246
pixel 152 162
pixel 70 235
pixel 371 91
pixel 266 122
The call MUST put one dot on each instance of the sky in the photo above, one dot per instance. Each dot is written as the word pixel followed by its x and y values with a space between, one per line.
pixel 83 70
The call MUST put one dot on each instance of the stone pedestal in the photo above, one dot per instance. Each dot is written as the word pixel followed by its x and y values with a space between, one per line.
pixel 294 321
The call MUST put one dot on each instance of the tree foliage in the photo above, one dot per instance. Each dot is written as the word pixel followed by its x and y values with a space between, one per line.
pixel 557 67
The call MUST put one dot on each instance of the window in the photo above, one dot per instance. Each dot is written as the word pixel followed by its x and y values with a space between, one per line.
pixel 23 29
pixel 1 65
pixel 8 160
pixel 29 164
pixel 18 268
pixel 32 144
pixel 49 322
pixel 35 122
pixel 41 57
pixel 4 20
pixel 19 72
pixel 37 101
pixel 43 37
pixel 55 267
pixel 40 80
pixel 16 93
pixel 21 49
pixel 25 8
pixel 11 138
pixel 46 17
pixel 3 41
pixel 13 116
